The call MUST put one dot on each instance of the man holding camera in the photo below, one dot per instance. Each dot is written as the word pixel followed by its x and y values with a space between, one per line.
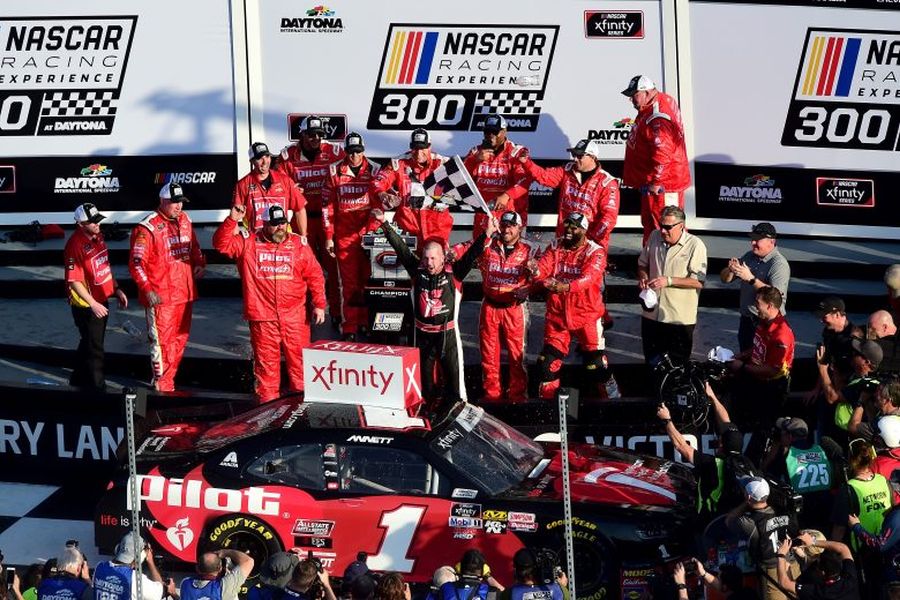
pixel 474 580
pixel 72 581
pixel 529 583
pixel 765 529
pixel 215 579
pixel 310 582
pixel 114 579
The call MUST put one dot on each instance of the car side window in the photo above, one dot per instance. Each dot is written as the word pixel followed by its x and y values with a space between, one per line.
pixel 299 466
pixel 374 469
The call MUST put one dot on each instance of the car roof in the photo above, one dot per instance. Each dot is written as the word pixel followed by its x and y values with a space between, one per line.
pixel 292 413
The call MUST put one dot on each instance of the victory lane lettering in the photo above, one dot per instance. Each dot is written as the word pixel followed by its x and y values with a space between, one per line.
pixel 59 440
pixel 332 375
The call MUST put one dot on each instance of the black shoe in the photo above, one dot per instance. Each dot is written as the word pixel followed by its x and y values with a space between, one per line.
pixel 348 337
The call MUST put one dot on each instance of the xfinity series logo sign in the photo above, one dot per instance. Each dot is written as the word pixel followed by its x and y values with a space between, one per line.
pixel 7 179
pixel 451 76
pixel 608 24
pixel 847 91
pixel 62 75
pixel 831 191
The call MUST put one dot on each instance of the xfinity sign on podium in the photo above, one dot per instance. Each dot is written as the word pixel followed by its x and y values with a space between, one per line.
pixel 364 374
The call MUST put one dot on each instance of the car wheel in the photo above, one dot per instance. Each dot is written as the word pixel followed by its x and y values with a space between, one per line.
pixel 596 573
pixel 241 532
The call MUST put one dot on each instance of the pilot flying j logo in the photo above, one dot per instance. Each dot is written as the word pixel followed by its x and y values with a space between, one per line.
pixel 451 76
pixel 847 91
pixel 62 75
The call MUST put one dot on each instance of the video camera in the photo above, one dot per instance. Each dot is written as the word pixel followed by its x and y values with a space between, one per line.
pixel 682 387
pixel 546 567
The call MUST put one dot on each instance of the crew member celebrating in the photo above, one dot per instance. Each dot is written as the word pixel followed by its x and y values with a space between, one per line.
pixel 584 187
pixel 91 283
pixel 655 156
pixel 165 260
pixel 416 214
pixel 306 163
pixel 262 187
pixel 277 269
pixel 499 177
pixel 571 270
pixel 346 208
pixel 437 292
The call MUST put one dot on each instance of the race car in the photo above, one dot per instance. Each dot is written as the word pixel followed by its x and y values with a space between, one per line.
pixel 335 479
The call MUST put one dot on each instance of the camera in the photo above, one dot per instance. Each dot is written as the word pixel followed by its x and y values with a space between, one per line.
pixel 10 576
pixel 314 560
pixel 682 388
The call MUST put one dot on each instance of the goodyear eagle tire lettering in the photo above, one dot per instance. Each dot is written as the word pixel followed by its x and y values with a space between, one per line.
pixel 241 532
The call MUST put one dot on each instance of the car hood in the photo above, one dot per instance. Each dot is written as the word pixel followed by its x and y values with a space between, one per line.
pixel 609 476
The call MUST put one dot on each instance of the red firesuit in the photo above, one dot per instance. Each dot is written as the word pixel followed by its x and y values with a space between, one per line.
pixel 346 203
pixel 503 271
pixel 424 223
pixel 577 312
pixel 164 253
pixel 310 175
pixel 275 278
pixel 655 155
pixel 502 173
pixel 249 192
pixel 597 198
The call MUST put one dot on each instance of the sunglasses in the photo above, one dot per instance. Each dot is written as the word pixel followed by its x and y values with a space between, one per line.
pixel 669 227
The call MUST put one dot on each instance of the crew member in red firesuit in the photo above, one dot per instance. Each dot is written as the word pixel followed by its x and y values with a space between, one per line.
pixel 655 156
pixel 165 261
pixel 499 177
pixel 262 187
pixel 277 269
pixel 584 187
pixel 437 293
pixel 91 283
pixel 571 270
pixel 416 214
pixel 505 276
pixel 346 208
pixel 306 163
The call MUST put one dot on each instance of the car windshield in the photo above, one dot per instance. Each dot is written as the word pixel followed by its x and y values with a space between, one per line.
pixel 489 451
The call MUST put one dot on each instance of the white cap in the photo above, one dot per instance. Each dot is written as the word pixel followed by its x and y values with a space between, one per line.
pixel 892 280
pixel 648 299
pixel 757 489
pixel 889 430
pixel 589 147
pixel 172 191
pixel 638 83
pixel 88 213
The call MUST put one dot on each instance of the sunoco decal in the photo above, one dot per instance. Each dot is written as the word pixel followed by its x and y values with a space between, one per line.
pixel 847 93
pixel 62 75
pixel 451 76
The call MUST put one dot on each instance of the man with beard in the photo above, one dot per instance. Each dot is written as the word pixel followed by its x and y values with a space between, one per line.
pixel 416 214
pixel 165 261
pixel 655 156
pixel 437 293
pixel 571 270
pixel 346 206
pixel 262 187
pixel 584 187
pixel 500 178
pixel 277 269
pixel 306 163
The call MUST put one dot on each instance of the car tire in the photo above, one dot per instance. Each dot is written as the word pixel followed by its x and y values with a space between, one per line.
pixel 241 532
pixel 596 572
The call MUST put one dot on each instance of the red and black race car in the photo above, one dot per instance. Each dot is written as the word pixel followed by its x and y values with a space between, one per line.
pixel 335 479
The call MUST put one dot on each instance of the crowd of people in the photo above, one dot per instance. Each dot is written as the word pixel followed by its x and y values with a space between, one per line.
pixel 224 574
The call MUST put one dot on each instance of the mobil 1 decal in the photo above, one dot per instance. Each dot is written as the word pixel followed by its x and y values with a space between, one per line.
pixel 847 92
pixel 451 76
pixel 62 75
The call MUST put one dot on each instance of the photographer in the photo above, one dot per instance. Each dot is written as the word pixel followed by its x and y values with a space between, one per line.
pixel 885 542
pixel 215 579
pixel 729 582
pixel 764 529
pixel 528 580
pixel 853 382
pixel 274 574
pixel 836 577
pixel 715 473
pixel 883 401
pixel 72 580
pixel 114 579
pixel 474 581
pixel 309 582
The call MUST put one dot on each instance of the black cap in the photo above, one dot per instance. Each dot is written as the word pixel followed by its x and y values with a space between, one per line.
pixel 511 216
pixel 829 305
pixel 258 150
pixel 354 143
pixel 276 215
pixel 362 588
pixel 419 139
pixel 494 123
pixel 173 192
pixel 638 83
pixel 313 124
pixel 88 213
pixel 579 148
pixel 763 230
pixel 732 440
pixel 870 350
pixel 524 558
pixel 577 218
pixel 278 569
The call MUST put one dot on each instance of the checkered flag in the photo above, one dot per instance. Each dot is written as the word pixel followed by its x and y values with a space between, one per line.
pixel 79 104
pixel 508 103
pixel 453 185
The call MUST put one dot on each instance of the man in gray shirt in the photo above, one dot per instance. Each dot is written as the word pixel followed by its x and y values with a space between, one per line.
pixel 762 266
